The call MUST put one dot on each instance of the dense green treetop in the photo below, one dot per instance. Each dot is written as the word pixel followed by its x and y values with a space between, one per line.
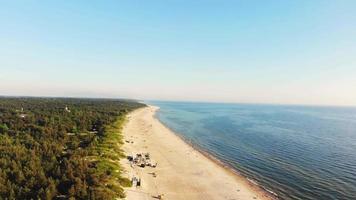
pixel 49 147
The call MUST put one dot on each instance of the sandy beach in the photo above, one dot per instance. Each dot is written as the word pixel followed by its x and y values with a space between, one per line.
pixel 181 172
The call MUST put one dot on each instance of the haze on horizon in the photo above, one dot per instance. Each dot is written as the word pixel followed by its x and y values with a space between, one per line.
pixel 290 52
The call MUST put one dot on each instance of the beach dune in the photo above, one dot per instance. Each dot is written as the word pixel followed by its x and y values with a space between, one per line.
pixel 181 172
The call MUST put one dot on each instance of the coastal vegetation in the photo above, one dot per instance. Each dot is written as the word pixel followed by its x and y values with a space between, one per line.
pixel 61 148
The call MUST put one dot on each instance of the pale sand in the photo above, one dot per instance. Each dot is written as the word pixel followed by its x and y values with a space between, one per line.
pixel 182 172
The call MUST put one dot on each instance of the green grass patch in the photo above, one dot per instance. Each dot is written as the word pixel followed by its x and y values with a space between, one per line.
pixel 106 154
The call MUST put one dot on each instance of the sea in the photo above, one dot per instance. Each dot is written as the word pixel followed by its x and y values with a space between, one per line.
pixel 294 152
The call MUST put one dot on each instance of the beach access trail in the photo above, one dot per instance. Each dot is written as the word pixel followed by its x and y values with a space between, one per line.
pixel 181 172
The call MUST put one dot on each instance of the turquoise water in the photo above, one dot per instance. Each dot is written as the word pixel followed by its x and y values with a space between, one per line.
pixel 298 152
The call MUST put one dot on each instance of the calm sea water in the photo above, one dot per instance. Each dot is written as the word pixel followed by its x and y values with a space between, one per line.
pixel 298 152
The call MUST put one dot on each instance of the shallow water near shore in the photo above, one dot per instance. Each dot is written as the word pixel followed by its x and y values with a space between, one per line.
pixel 298 152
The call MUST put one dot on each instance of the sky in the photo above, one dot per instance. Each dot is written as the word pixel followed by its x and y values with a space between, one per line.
pixel 248 51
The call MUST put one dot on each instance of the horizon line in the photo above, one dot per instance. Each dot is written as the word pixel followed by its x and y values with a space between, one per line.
pixel 177 101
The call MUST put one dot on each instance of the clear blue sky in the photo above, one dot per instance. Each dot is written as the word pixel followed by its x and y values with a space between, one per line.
pixel 299 52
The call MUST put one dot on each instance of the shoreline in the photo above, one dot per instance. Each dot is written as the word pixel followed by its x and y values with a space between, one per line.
pixel 254 183
pixel 199 176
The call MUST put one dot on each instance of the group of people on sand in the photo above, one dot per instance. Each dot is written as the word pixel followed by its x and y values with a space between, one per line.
pixel 141 160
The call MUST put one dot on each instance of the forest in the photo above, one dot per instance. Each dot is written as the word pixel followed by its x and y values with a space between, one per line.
pixel 62 148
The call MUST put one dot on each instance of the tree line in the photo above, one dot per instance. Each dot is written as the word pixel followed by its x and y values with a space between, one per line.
pixel 57 148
